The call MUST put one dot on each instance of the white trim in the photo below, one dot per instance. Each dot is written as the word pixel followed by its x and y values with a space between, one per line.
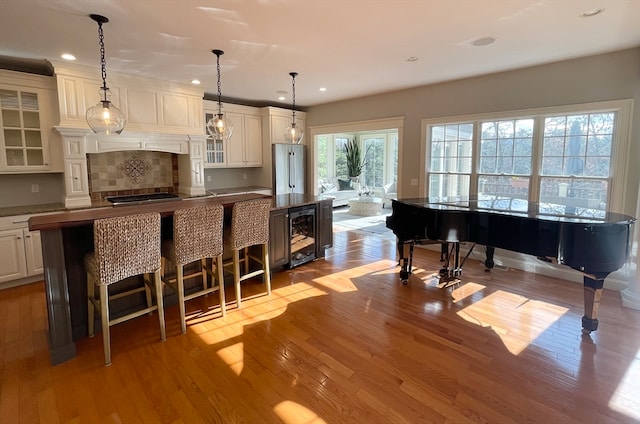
pixel 620 147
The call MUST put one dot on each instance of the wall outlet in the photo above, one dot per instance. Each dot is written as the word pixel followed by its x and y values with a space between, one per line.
pixel 244 176
pixel 35 188
pixel 414 181
pixel 208 178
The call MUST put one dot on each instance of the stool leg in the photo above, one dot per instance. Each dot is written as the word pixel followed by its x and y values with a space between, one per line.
pixel 246 260
pixel 203 267
pixel 160 303
pixel 104 318
pixel 265 266
pixel 236 276
pixel 180 279
pixel 223 306
pixel 91 290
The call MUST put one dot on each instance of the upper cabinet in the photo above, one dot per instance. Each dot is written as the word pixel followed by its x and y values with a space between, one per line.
pixel 150 105
pixel 277 120
pixel 27 111
pixel 244 148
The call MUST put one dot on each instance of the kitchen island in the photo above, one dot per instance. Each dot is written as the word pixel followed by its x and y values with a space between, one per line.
pixel 67 236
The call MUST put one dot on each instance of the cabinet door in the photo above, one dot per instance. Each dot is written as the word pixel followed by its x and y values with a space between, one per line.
pixel 12 258
pixel 325 227
pixel 33 252
pixel 216 155
pixel 235 145
pixel 23 143
pixel 253 140
pixel 279 246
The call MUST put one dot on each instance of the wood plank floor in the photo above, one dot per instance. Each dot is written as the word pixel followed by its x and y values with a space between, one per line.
pixel 340 341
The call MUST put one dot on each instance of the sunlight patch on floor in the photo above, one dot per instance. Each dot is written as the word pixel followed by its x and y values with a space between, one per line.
pixel 517 320
pixel 293 413
pixel 625 399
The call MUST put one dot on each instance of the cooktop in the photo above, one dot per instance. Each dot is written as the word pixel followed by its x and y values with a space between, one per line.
pixel 141 198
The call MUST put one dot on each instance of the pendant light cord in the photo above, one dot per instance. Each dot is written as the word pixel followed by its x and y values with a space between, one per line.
pixel 218 53
pixel 103 63
pixel 293 106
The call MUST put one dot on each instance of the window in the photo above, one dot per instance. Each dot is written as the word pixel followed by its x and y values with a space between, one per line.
pixel 381 148
pixel 559 157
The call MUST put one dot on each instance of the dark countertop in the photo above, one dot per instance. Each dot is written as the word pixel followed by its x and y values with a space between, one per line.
pixel 75 217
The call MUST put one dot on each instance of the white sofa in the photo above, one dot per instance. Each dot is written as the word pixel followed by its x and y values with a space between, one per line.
pixel 338 189
pixel 389 191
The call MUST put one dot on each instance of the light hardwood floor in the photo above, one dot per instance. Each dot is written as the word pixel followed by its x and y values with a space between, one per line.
pixel 340 341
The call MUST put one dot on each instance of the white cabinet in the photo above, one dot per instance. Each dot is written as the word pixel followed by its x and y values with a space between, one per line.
pixel 244 148
pixel 27 106
pixel 20 250
pixel 278 120
pixel 150 105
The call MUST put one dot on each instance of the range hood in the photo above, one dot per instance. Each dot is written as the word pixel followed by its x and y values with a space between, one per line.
pixel 144 141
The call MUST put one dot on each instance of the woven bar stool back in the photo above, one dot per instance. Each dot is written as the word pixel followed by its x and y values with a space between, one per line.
pixel 197 237
pixel 250 227
pixel 123 247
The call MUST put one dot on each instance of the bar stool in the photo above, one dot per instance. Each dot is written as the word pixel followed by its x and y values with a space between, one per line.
pixel 249 227
pixel 123 247
pixel 197 237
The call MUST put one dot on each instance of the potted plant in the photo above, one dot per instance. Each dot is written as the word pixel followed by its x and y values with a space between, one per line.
pixel 355 159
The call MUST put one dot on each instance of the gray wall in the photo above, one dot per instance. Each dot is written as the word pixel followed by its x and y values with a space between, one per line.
pixel 611 76
pixel 16 190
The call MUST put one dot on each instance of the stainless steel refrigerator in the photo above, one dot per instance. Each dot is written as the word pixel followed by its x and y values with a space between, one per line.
pixel 288 168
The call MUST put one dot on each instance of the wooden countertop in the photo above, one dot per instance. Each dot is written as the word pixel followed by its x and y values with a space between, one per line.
pixel 77 217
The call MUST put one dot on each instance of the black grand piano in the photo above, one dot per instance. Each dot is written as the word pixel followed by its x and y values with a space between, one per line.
pixel 595 242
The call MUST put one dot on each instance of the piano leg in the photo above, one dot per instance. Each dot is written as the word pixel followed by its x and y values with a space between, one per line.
pixel 405 249
pixel 592 296
pixel 488 263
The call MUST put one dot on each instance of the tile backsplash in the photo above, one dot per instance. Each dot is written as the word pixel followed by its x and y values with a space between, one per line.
pixel 118 173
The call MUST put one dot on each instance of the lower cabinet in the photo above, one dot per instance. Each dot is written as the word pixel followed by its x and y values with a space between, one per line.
pixel 325 227
pixel 279 246
pixel 280 233
pixel 20 254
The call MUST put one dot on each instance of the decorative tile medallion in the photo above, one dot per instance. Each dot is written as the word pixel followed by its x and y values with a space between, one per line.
pixel 134 168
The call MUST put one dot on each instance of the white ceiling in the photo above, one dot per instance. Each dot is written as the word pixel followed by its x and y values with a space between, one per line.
pixel 351 47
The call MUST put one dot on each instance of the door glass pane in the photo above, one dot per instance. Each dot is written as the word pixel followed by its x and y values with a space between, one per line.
pixel 31 119
pixel 12 138
pixel 9 99
pixel 29 101
pixel 34 157
pixel 11 118
pixel 32 138
pixel 15 157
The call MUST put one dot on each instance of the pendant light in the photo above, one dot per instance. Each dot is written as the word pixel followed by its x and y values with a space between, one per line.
pixel 104 117
pixel 219 127
pixel 293 134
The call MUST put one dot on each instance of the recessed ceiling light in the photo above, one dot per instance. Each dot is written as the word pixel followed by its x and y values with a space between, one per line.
pixel 195 82
pixel 68 56
pixel 483 41
pixel 323 89
pixel 591 12
pixel 412 59
pixel 281 98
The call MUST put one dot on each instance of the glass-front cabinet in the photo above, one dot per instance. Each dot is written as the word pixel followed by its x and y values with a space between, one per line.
pixel 216 155
pixel 23 144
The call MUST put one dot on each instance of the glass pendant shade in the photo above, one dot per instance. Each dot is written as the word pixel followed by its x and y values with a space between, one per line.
pixel 104 117
pixel 220 127
pixel 293 134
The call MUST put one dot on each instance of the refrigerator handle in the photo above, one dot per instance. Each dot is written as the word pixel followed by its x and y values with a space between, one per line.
pixel 292 170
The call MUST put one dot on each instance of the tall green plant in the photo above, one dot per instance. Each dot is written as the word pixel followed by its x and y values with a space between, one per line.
pixel 355 159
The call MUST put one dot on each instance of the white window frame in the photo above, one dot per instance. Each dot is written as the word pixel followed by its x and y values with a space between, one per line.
pixel 619 154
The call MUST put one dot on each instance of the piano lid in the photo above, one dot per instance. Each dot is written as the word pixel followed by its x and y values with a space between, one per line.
pixel 520 207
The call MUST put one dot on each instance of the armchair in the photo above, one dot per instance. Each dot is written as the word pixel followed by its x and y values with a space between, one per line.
pixel 389 191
